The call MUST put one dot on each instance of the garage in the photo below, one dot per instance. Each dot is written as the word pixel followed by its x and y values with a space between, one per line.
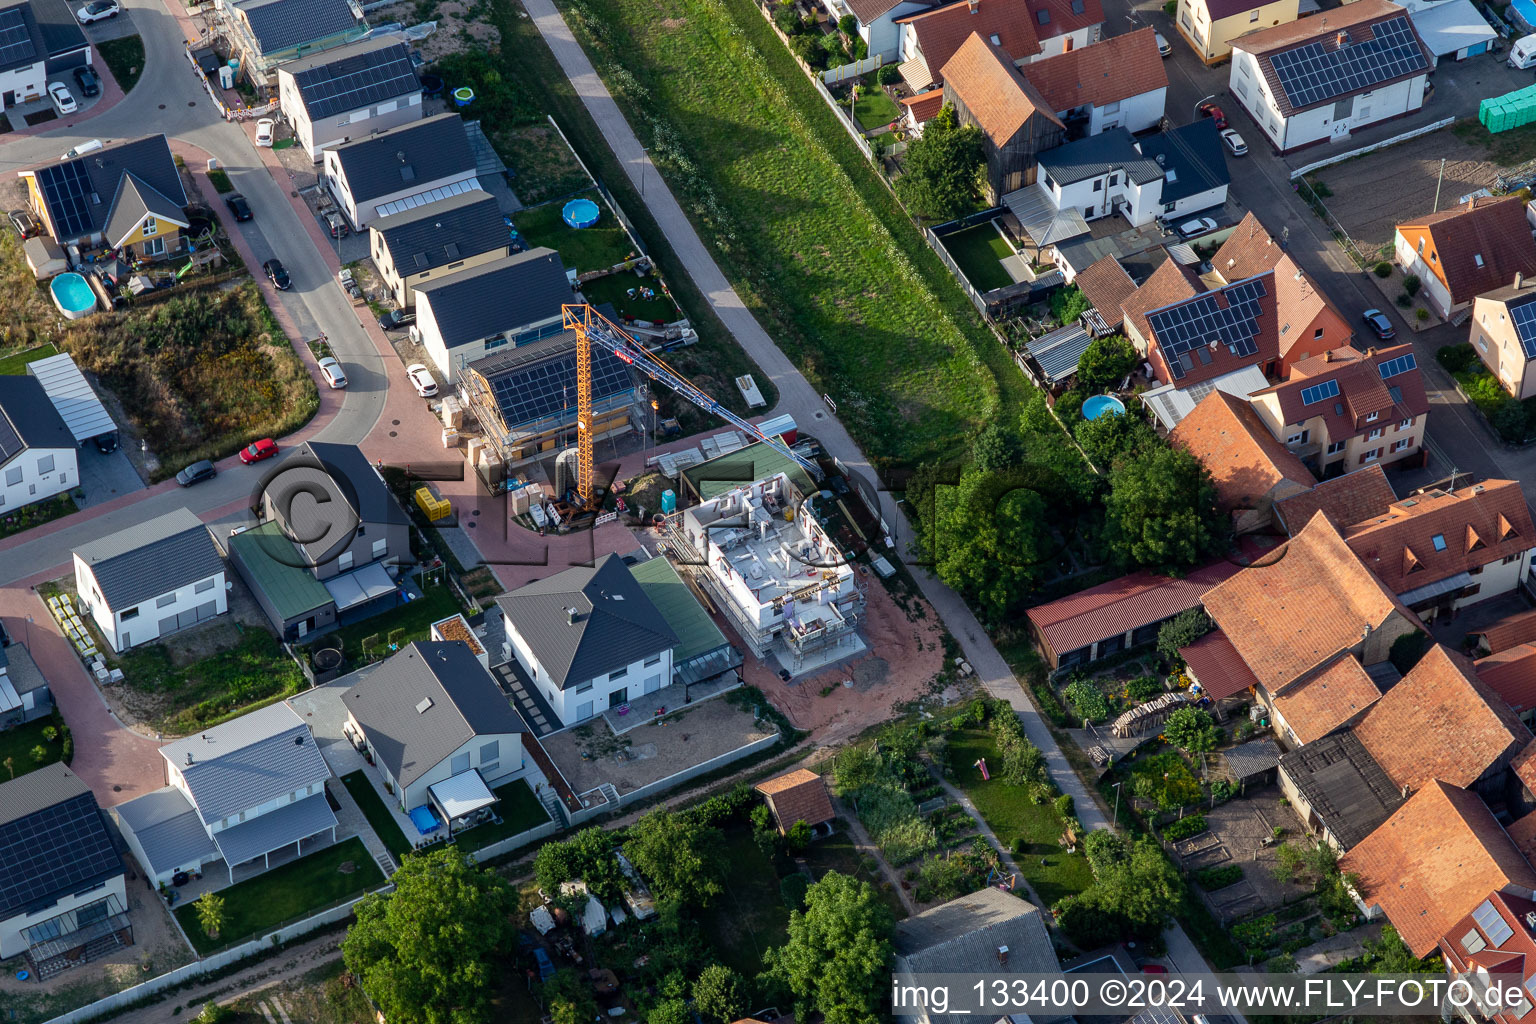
pixel 73 396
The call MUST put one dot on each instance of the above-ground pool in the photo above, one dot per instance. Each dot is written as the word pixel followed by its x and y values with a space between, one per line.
pixel 1099 405
pixel 72 294
pixel 581 213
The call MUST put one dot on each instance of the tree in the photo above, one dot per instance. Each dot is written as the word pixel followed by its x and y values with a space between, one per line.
pixel 677 856
pixel 587 857
pixel 943 178
pixel 1182 630
pixel 428 952
pixel 1109 438
pixel 837 959
pixel 1133 895
pixel 39 753
pixel 1192 730
pixel 669 1011
pixel 992 541
pixel 1408 649
pixel 1106 850
pixel 1105 362
pixel 210 914
pixel 1069 303
pixel 720 994
pixel 10 766
pixel 1161 512
pixel 997 448
pixel 1390 955
pixel 798 837
pixel 569 998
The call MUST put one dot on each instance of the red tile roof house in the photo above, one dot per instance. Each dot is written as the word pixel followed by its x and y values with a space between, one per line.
pixel 1510 631
pixel 1440 551
pixel 1496 941
pixel 1345 500
pixel 1512 675
pixel 799 795
pixel 1460 253
pixel 1065 25
pixel 1345 409
pixel 1118 82
pixel 1250 468
pixel 1117 615
pixel 929 38
pixel 1016 123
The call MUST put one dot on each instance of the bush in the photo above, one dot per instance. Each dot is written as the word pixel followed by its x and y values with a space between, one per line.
pixel 1184 828
pixel 1382 269
pixel 1064 806
pixel 785 17
pixel 1191 729
pixel 848 25
pixel 1457 358
pixel 858 49
pixel 1403 300
pixel 1171 8
pixel 1143 689
pixel 1411 285
pixel 1087 700
pixel 889 74
pixel 1421 314
pixel 219 179
pixel 1181 631
pixel 1211 879
pixel 809 49
pixel 1511 421
pixel 792 890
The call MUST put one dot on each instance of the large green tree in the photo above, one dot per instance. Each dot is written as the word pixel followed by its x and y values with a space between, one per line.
pixel 1110 437
pixel 943 179
pixel 585 857
pixel 425 953
pixel 720 994
pixel 992 540
pixel 1105 362
pixel 1161 512
pixel 837 959
pixel 677 855
pixel 997 448
pixel 1191 729
pixel 1135 891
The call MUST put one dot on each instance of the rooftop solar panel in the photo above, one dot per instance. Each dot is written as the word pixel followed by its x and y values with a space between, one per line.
pixel 1185 331
pixel 1320 392
pixel 526 396
pixel 10 440
pixel 1524 317
pixel 1312 74
pixel 67 190
pixel 16 45
pixel 1402 364
pixel 1492 923
pixel 53 851
pixel 356 82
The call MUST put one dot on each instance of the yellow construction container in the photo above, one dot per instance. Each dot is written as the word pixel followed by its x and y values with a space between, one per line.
pixel 433 507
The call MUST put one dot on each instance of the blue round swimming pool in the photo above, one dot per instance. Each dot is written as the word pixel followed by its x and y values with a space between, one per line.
pixel 581 213
pixel 1100 405
pixel 72 294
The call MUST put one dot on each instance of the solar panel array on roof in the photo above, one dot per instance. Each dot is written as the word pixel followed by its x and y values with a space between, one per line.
pixel 355 82
pixel 1401 364
pixel 16 44
pixel 10 442
pixel 53 851
pixel 1320 392
pixel 1192 326
pixel 1312 74
pixel 67 191
pixel 1524 317
pixel 529 395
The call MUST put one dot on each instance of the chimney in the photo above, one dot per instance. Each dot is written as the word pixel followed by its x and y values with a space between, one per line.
pixel 975 6
pixel 1002 954
pixel 1342 39
pixel 571 615
pixel 189 758
pixel 1327 355
pixel 1519 280
pixel 1407 789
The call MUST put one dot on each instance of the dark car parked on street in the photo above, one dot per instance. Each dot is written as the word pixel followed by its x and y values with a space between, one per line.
pixel 196 473
pixel 277 274
pixel 238 206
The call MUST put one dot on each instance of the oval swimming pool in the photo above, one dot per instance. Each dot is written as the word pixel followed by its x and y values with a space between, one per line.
pixel 72 294
pixel 1100 405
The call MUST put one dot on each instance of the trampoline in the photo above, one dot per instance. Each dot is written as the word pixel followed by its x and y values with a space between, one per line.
pixel 581 213
pixel 1100 405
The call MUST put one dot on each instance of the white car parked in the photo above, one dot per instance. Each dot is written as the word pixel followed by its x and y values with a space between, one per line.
pixel 331 370
pixel 421 379
pixel 264 129
pixel 98 10
pixel 1235 144
pixel 63 101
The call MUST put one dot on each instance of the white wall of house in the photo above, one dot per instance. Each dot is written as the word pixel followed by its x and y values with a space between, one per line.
pixel 1333 121
pixel 496 767
pixel 154 617
pixel 580 701
pixel 37 474
pixel 884 37
pixel 335 129
pixel 1106 194
pixel 362 216
pixel 1195 203
pixel 1076 40
pixel 1434 290
pixel 1497 578
pixel 1136 114
pixel 22 84
pixel 12 943
pixel 451 361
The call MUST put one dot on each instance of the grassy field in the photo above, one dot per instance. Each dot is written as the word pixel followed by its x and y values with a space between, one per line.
pixel 213 688
pixel 811 238
pixel 978 251
pixel 520 811
pixel 372 806
pixel 295 890
pixel 837 853
pixel 202 373
pixel 17 745
pixel 595 248
pixel 750 916
pixel 415 618
pixel 1013 815
pixel 17 362
pixel 614 289
pixel 124 58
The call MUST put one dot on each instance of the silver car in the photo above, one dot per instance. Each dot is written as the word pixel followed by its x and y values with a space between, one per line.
pixel 331 370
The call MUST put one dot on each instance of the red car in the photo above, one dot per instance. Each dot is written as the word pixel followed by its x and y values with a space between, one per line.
pixel 1213 111
pixel 263 449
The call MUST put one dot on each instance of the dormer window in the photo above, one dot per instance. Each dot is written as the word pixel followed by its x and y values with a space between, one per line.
pixel 1371 417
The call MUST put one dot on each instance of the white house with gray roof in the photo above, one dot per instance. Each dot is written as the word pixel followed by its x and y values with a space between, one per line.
pixel 38 454
pixel 152 579
pixel 401 169
pixel 239 792
pixel 438 240
pixel 349 92
pixel 513 301
pixel 440 729
pixel 588 639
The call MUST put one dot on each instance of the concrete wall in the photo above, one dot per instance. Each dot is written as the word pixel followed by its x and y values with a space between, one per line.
pixel 129 627
pixel 37 474
pixel 1136 114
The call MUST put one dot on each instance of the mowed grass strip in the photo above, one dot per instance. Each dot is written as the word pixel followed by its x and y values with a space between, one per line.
pixel 814 242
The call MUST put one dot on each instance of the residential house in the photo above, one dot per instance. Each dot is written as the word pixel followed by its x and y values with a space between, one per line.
pixel 38 454
pixel 1496 941
pixel 330 542
pixel 1442 550
pixel 1170 283
pixel 239 792
pixel 702 654
pixel 150 580
pixel 1100 176
pixel 1017 125
pixel 1345 500
pixel 24 69
pixel 442 732
pixel 126 196
pixel 1319 79
pixel 1337 789
pixel 1345 409
pixel 349 92
pixel 24 693
pixel 264 33
pixel 1194 166
pixel 1214 334
pixel 61 37
pixel 1249 466
pixel 401 168
pixel 990 931
pixel 434 241
pixel 1066 25
pixel 876 22
pixel 1334 695
pixel 63 899
pixel 1105 284
pixel 1504 334
pixel 929 38
pixel 586 640
pixel 469 314
pixel 1511 673
pixel 1118 615
pixel 1434 862
pixel 1461 253
pixel 1119 82
pixel 800 795
pixel 1209 26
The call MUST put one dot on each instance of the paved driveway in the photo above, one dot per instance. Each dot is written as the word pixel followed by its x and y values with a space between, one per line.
pixel 106 477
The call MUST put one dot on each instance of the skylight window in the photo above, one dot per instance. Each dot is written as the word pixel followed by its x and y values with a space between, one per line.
pixel 1487 916
pixel 1439 541
pixel 1477 258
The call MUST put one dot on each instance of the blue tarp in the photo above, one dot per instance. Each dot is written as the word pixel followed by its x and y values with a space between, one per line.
pixel 425 821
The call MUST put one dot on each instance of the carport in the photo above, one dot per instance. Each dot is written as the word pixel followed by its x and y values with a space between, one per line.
pixel 73 397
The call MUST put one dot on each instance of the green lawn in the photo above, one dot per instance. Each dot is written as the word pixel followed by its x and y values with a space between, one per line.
pixel 372 806
pixel 810 237
pixel 18 743
pixel 595 248
pixel 259 905
pixel 415 618
pixel 614 288
pixel 750 916
pixel 17 362
pixel 874 108
pixel 978 251
pixel 520 811
pixel 1013 815
pixel 124 58
pixel 253 670
pixel 837 853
